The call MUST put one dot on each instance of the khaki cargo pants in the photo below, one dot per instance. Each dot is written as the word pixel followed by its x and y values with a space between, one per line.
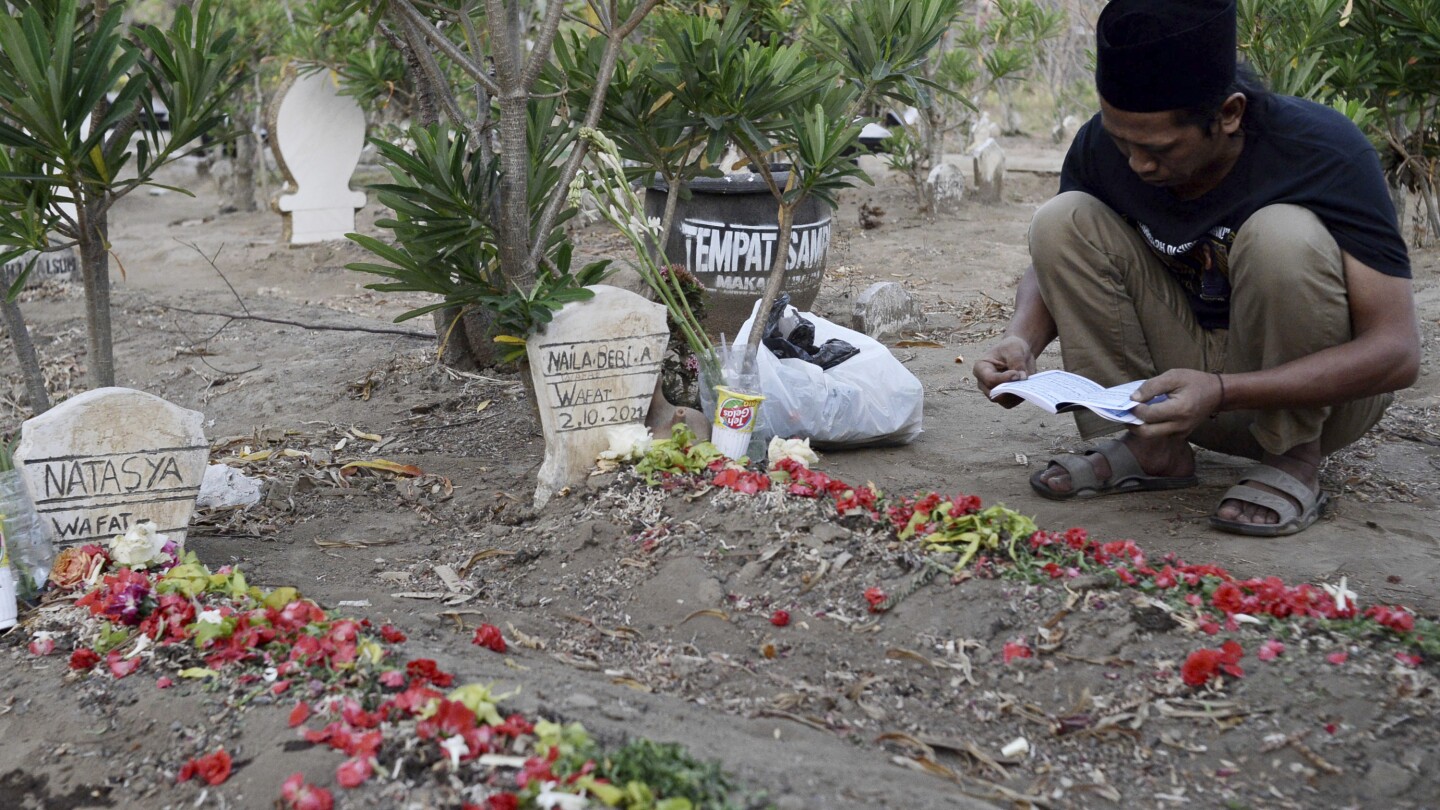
pixel 1121 316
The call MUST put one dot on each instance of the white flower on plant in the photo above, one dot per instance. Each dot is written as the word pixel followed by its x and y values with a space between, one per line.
pixel 577 191
pixel 140 547
pixel 627 443
pixel 795 449
pixel 551 799
pixel 456 747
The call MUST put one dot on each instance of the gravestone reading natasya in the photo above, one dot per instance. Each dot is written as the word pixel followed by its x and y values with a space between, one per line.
pixel 595 366
pixel 101 462
pixel 318 137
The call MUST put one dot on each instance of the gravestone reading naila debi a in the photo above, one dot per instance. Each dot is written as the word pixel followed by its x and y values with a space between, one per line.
pixel 318 137
pixel 101 462
pixel 595 367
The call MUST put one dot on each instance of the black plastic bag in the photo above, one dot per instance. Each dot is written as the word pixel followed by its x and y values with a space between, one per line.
pixel 796 339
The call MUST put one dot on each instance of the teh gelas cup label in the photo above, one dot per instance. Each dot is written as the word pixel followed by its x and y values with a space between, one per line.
pixel 735 414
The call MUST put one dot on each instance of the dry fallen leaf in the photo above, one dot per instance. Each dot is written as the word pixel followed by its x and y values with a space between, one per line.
pixel 482 406
pixel 712 612
pixel 358 543
pixel 919 344
pixel 384 465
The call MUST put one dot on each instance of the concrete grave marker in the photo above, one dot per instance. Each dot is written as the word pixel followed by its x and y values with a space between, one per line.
pixel 99 463
pixel 946 187
pixel 989 171
pixel 58 265
pixel 982 131
pixel 318 135
pixel 595 367
pixel 885 310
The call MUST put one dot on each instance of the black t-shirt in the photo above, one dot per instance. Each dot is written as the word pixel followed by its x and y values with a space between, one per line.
pixel 1298 152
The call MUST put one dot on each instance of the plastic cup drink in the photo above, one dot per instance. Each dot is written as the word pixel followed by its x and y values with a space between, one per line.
pixel 735 414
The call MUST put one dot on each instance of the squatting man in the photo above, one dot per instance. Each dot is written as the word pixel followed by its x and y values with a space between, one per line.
pixel 1237 249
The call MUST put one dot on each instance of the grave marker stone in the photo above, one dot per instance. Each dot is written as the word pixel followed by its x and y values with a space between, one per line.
pixel 57 265
pixel 595 367
pixel 989 171
pixel 946 186
pixel 318 137
pixel 101 462
pixel 885 310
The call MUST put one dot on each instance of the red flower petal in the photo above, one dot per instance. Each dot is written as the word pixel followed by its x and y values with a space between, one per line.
pixel 876 598
pixel 164 683
pixel 120 666
pixel 1199 667
pixel 1338 657
pixel 1231 652
pixel 215 768
pixel 83 659
pixel 42 646
pixel 1270 650
pixel 780 618
pixel 488 636
pixel 1016 649
pixel 299 714
pixel 353 772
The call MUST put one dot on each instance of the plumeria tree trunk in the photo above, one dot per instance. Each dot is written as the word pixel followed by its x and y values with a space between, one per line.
pixel 25 354
pixel 95 271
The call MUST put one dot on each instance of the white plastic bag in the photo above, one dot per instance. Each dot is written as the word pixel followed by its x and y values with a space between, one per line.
pixel 870 399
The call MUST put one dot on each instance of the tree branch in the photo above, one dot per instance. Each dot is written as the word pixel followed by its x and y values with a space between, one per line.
pixel 311 326
pixel 592 116
pixel 439 88
pixel 443 44
pixel 540 53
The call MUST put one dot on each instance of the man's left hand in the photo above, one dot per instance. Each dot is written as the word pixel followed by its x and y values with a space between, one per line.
pixel 1191 397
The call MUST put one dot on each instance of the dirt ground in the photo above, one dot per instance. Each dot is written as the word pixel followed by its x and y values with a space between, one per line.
pixel 608 584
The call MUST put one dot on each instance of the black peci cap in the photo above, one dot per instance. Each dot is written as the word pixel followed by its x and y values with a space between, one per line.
pixel 1154 55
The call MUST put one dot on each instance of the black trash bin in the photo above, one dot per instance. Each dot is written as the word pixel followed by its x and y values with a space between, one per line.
pixel 725 235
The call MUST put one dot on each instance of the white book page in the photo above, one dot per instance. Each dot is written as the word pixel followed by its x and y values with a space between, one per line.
pixel 1055 387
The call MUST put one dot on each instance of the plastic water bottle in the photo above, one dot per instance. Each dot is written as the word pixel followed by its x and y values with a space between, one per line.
pixel 9 611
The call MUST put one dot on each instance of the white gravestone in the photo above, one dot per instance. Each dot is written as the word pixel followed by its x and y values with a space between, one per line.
pixel 58 265
pixel 989 171
pixel 885 310
pixel 101 462
pixel 318 135
pixel 595 366
pixel 946 187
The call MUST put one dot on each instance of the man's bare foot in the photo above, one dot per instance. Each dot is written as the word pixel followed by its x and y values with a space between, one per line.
pixel 1160 457
pixel 1302 462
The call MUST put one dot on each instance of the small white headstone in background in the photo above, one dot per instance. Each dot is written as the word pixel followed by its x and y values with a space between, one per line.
pixel 1064 133
pixel 983 130
pixel 101 462
pixel 885 311
pixel 57 265
pixel 224 487
pixel 594 367
pixel 989 171
pixel 317 135
pixel 946 188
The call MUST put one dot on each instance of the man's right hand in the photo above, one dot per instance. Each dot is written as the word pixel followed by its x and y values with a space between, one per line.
pixel 1006 361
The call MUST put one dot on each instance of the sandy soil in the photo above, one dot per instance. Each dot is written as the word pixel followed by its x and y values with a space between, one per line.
pixel 802 712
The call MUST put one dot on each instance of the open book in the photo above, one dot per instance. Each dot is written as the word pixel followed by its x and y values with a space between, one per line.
pixel 1061 392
